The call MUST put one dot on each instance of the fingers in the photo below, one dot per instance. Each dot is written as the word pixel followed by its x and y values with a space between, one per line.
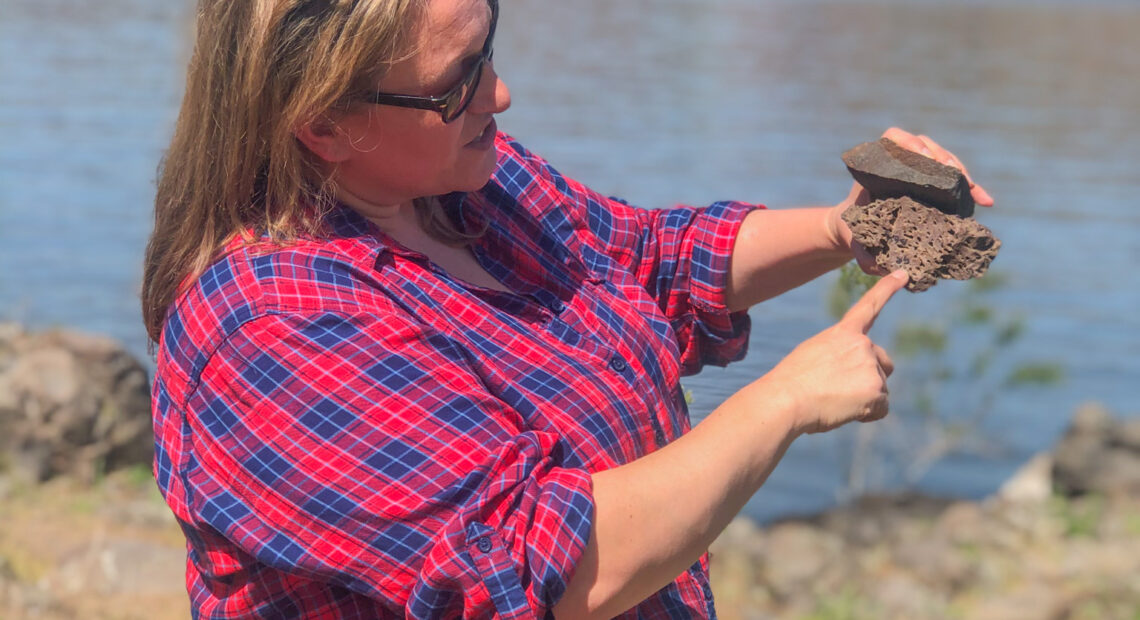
pixel 857 196
pixel 885 361
pixel 876 410
pixel 862 315
pixel 926 146
pixel 865 261
pixel 980 195
pixel 907 140
pixel 923 145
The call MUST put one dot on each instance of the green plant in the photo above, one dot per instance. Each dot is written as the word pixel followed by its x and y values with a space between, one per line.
pixel 1080 517
pixel 847 604
pixel 968 342
pixel 1132 526
pixel 139 476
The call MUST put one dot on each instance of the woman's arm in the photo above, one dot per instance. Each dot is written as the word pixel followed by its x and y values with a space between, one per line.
pixel 655 516
pixel 777 250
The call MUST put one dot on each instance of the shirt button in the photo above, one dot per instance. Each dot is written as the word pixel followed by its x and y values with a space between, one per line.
pixel 618 364
pixel 484 544
pixel 659 435
pixel 557 307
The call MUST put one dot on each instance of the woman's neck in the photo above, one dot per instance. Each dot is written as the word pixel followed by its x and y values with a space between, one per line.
pixel 397 220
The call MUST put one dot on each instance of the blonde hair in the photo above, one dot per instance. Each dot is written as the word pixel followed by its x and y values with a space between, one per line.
pixel 259 69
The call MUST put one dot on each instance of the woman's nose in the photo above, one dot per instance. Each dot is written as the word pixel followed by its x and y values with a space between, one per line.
pixel 494 96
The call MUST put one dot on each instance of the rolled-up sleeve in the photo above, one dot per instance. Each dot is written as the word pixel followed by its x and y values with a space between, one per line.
pixel 683 257
pixel 364 451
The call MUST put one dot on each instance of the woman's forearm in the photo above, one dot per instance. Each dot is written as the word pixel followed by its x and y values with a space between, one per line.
pixel 777 250
pixel 654 517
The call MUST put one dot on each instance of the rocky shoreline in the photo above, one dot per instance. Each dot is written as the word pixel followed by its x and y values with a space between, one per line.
pixel 84 533
pixel 1059 540
pixel 71 404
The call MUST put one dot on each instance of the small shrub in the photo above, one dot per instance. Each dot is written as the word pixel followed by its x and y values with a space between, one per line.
pixel 970 343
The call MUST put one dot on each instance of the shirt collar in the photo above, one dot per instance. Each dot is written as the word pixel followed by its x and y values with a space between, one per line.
pixel 344 222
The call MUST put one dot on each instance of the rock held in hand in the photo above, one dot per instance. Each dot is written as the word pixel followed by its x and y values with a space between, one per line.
pixel 887 170
pixel 903 234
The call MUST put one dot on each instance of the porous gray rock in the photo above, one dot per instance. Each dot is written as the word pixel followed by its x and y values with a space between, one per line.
pixel 886 170
pixel 900 233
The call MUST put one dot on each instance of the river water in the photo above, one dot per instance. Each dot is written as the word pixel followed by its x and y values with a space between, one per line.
pixel 676 101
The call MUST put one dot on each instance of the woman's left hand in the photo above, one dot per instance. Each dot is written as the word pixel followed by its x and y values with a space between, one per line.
pixel 858 195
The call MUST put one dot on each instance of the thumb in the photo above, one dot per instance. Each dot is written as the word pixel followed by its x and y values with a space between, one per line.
pixel 862 315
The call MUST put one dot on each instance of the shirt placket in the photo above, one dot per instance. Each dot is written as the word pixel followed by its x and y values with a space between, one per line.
pixel 561 319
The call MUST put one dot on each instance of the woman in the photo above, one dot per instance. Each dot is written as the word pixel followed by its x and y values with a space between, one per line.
pixel 405 368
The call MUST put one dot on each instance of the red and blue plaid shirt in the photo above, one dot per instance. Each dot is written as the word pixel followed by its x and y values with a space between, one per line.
pixel 345 431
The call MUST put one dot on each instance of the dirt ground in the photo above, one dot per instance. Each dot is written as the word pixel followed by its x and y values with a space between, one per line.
pixel 110 550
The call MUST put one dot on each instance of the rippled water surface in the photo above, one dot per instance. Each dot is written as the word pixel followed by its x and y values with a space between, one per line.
pixel 664 102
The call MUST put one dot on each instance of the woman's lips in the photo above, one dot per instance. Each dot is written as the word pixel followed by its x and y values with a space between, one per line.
pixel 487 138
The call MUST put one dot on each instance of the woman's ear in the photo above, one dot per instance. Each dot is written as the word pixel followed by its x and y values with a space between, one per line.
pixel 324 138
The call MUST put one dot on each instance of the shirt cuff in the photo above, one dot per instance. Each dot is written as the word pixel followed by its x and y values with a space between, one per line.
pixel 558 535
pixel 551 542
pixel 724 334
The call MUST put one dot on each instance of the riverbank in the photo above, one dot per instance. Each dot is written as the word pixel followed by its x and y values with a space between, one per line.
pixel 1060 540
pixel 112 551
pixel 108 550
pixel 1063 558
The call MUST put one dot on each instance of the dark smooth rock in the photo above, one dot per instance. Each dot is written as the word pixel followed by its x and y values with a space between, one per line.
pixel 887 170
pixel 929 244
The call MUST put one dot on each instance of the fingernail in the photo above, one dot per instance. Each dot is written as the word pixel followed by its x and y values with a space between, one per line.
pixel 901 274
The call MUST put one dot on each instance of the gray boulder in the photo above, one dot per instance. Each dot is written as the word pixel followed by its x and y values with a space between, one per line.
pixel 1098 454
pixel 70 403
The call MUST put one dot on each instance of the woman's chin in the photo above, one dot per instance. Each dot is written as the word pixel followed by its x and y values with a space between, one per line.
pixel 481 174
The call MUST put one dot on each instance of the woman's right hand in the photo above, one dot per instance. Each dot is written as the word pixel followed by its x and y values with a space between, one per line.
pixel 839 375
pixel 643 537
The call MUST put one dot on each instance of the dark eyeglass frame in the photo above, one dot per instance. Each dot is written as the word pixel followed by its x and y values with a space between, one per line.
pixel 454 102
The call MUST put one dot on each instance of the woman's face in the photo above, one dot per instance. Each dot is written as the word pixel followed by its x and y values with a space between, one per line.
pixel 390 155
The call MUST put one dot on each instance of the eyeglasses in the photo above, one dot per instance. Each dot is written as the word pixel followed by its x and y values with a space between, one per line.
pixel 455 101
